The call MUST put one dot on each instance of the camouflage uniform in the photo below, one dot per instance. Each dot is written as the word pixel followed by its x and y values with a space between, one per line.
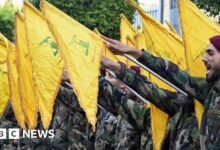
pixel 105 131
pixel 127 137
pixel 8 121
pixel 110 98
pixel 207 93
pixel 182 130
pixel 115 133
pixel 72 130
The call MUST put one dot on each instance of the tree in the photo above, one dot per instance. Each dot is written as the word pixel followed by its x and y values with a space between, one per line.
pixel 101 14
pixel 7 21
pixel 212 7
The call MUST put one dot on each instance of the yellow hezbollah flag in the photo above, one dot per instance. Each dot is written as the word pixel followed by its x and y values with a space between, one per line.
pixel 196 35
pixel 196 38
pixel 46 61
pixel 140 41
pixel 163 43
pixel 25 79
pixel 127 33
pixel 81 50
pixel 13 84
pixel 4 86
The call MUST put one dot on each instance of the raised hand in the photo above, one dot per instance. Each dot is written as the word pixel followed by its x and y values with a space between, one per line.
pixel 119 48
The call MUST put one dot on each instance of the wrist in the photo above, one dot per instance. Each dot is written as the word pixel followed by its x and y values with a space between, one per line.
pixel 136 53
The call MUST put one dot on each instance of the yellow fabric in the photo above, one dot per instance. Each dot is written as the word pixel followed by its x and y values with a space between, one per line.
pixel 196 36
pixel 197 28
pixel 106 52
pixel 46 61
pixel 82 50
pixel 166 44
pixel 139 38
pixel 4 85
pixel 127 33
pixel 25 80
pixel 14 89
pixel 171 28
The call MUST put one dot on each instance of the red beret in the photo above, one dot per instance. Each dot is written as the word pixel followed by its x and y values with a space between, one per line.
pixel 136 69
pixel 215 40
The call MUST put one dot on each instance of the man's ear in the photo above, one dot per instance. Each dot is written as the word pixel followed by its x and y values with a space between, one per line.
pixel 122 87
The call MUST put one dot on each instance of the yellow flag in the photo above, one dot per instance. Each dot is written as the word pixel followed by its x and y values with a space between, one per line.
pixel 4 85
pixel 13 84
pixel 25 78
pixel 46 61
pixel 171 28
pixel 133 38
pixel 167 45
pixel 81 50
pixel 140 41
pixel 196 35
pixel 196 38
pixel 127 33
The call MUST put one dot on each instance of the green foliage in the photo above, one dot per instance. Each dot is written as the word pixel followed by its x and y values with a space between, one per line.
pixel 7 22
pixel 101 14
pixel 211 6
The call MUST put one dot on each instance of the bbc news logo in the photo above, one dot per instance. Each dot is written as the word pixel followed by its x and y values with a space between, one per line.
pixel 16 133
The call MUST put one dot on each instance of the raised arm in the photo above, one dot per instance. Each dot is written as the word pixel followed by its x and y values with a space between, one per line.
pixel 196 87
pixel 118 103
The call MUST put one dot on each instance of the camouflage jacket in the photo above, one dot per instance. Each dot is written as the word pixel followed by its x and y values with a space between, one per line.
pixel 8 121
pixel 207 93
pixel 76 130
pixel 182 130
pixel 72 130
pixel 105 131
pixel 111 99
pixel 127 138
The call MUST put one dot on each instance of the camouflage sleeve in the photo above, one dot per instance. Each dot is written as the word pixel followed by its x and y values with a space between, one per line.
pixel 135 114
pixel 168 101
pixel 194 86
pixel 109 97
pixel 118 103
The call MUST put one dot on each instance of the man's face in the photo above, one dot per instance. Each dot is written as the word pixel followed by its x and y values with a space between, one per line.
pixel 115 82
pixel 211 60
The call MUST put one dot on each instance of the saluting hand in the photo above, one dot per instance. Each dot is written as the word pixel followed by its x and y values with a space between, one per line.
pixel 119 48
pixel 107 63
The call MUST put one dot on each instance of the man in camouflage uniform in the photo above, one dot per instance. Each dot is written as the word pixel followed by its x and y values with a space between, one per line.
pixel 8 121
pixel 72 130
pixel 126 136
pixel 76 128
pixel 109 98
pixel 105 131
pixel 205 90
pixel 182 131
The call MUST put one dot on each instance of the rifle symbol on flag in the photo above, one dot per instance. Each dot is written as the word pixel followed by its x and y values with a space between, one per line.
pixel 84 44
pixel 52 44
